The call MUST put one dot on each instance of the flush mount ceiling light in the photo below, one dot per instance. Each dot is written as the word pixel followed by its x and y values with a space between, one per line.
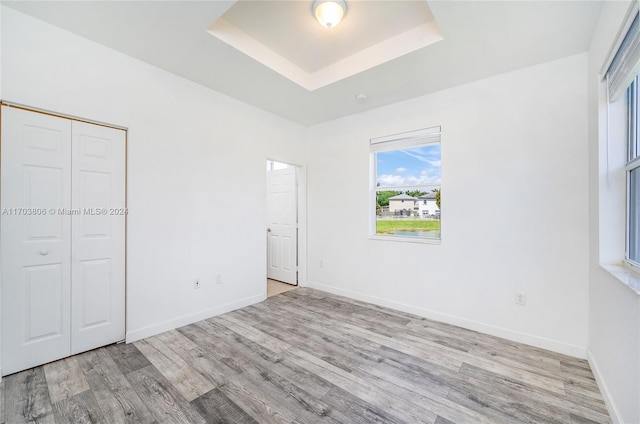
pixel 329 12
pixel 362 98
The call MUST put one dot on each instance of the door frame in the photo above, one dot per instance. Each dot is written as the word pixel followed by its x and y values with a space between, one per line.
pixel 15 105
pixel 301 182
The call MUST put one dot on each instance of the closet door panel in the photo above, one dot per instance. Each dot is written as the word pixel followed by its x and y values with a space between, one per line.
pixel 35 238
pixel 98 256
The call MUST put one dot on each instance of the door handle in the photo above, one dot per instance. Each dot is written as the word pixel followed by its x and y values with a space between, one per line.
pixel 268 230
pixel 44 252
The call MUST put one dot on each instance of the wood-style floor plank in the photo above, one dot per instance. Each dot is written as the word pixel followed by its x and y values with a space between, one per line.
pixel 398 407
pixel 27 398
pixel 80 409
pixel 259 337
pixel 163 400
pixel 358 410
pixel 302 407
pixel 216 347
pixel 254 403
pixel 112 390
pixel 127 357
pixel 189 382
pixel 201 359
pixel 306 356
pixel 217 408
pixel 527 403
pixel 65 379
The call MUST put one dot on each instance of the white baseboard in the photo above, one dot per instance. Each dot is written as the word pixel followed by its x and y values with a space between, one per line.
pixel 516 336
pixel 602 385
pixel 152 330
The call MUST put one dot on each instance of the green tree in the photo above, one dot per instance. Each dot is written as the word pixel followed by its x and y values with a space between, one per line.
pixel 437 192
pixel 416 193
pixel 382 197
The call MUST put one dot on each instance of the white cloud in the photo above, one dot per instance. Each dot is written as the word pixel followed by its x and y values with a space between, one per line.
pixel 432 172
pixel 411 167
pixel 388 180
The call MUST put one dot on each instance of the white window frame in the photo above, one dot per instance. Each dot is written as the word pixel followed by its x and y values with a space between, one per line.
pixel 632 161
pixel 618 72
pixel 406 140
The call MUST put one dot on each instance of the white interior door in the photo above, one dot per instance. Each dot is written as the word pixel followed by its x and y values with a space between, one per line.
pixel 35 239
pixel 97 246
pixel 282 219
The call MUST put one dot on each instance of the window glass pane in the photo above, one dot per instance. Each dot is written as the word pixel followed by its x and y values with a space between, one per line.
pixel 414 213
pixel 632 120
pixel 409 167
pixel 634 215
pixel 408 192
pixel 635 150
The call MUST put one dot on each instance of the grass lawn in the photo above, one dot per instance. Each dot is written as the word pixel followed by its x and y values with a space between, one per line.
pixel 388 226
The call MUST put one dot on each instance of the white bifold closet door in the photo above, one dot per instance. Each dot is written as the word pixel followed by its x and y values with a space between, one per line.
pixel 62 240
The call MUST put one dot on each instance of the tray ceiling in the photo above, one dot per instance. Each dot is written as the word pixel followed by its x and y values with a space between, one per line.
pixel 479 39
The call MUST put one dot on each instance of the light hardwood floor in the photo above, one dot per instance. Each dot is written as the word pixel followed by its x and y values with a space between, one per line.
pixel 276 287
pixel 306 356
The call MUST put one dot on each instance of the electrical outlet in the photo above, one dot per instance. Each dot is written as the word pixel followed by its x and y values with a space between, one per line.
pixel 521 299
pixel 219 279
pixel 196 284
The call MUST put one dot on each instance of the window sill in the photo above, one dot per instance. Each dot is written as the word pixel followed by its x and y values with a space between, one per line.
pixel 625 275
pixel 407 239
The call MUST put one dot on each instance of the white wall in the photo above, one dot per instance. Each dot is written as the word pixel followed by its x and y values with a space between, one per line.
pixel 516 140
pixel 189 150
pixel 614 310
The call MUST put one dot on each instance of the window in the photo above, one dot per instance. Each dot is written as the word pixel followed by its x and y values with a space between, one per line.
pixel 622 79
pixel 633 174
pixel 406 185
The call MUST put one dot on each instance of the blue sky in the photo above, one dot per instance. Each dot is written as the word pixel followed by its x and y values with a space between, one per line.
pixel 409 167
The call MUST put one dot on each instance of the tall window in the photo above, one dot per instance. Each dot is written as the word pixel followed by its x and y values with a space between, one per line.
pixel 633 173
pixel 622 78
pixel 406 185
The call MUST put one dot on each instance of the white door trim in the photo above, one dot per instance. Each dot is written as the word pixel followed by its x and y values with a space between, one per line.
pixel 15 105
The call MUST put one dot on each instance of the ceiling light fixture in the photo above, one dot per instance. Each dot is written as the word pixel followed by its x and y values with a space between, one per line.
pixel 329 12
pixel 362 98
